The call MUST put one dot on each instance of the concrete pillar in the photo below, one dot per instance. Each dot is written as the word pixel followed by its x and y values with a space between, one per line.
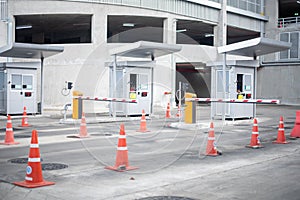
pixel 169 31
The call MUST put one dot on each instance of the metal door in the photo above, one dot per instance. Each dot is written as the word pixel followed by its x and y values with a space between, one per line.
pixel 140 90
pixel 21 93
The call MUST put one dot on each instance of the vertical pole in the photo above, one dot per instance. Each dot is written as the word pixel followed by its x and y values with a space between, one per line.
pixel 179 100
pixel 254 90
pixel 262 23
pixel 224 86
pixel 42 85
pixel 224 42
pixel 114 85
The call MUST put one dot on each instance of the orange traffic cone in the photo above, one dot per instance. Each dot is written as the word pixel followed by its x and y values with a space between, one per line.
pixel 281 135
pixel 296 130
pixel 143 125
pixel 178 112
pixel 83 130
pixel 168 112
pixel 255 140
pixel 9 136
pixel 211 149
pixel 24 118
pixel 122 163
pixel 34 177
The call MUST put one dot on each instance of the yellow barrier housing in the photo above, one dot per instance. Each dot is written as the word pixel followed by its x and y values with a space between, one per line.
pixel 77 105
pixel 190 109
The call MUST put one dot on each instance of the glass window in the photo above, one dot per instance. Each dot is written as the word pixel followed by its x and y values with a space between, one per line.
pixel 294 39
pixel 1 80
pixel 143 82
pixel 16 81
pixel 133 79
pixel 27 82
pixel 247 83
pixel 293 52
pixel 285 38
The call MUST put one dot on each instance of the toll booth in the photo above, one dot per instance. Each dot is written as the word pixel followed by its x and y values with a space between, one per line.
pixel 239 84
pixel 134 81
pixel 18 87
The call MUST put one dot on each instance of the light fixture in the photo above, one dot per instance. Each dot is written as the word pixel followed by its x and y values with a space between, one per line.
pixel 181 30
pixel 23 27
pixel 298 2
pixel 208 35
pixel 82 24
pixel 128 24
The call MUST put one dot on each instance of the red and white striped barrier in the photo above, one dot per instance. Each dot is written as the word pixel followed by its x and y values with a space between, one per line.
pixel 261 101
pixel 106 99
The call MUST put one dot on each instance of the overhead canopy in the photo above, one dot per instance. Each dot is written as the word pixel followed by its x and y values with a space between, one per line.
pixel 22 50
pixel 255 47
pixel 144 49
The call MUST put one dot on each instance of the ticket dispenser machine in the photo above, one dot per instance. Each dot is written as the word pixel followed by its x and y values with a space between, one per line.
pixel 18 87
pixel 134 81
pixel 240 84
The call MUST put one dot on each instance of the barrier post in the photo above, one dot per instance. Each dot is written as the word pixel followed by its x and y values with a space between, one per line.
pixel 190 109
pixel 77 105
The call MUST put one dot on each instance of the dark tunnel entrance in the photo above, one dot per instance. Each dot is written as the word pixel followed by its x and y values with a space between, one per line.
pixel 198 77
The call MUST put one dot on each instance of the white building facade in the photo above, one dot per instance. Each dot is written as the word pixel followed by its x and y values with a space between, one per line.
pixel 89 29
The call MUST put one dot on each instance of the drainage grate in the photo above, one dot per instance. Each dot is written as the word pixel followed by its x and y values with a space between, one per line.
pixel 22 136
pixel 166 198
pixel 289 122
pixel 102 134
pixel 53 166
pixel 19 160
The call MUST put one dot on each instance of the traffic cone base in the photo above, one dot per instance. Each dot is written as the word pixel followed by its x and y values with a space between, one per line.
pixel 9 135
pixel 83 133
pixel 34 176
pixel 211 149
pixel 143 124
pixel 25 119
pixel 121 168
pixel 255 140
pixel 295 132
pixel 9 143
pixel 33 185
pixel 122 163
pixel 142 131
pixel 168 111
pixel 280 136
pixel 254 146
pixel 27 125
pixel 280 142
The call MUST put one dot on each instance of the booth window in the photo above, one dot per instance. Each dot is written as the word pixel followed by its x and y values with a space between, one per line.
pixel 1 80
pixel 53 29
pixel 16 81
pixel 133 81
pixel 27 82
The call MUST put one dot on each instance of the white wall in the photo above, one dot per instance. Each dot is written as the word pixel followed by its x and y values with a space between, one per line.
pixel 84 64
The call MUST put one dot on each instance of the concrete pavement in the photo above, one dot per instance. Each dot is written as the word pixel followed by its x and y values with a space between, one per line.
pixel 171 161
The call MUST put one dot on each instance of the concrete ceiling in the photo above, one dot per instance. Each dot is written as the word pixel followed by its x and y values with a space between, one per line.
pixel 288 8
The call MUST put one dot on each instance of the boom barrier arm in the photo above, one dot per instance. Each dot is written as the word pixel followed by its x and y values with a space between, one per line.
pixel 106 99
pixel 258 101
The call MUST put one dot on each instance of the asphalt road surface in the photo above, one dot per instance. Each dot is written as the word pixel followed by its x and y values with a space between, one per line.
pixel 171 161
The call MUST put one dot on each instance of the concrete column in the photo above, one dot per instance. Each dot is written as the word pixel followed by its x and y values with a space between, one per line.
pixel 169 31
pixel 169 37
